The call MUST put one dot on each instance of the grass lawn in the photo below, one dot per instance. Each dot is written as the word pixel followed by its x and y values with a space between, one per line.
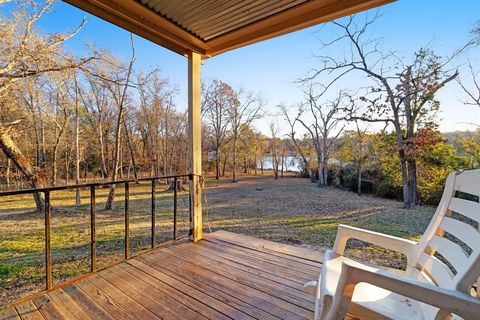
pixel 295 211
pixel 288 210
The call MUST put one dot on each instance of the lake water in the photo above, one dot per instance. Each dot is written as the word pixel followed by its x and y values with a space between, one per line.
pixel 291 164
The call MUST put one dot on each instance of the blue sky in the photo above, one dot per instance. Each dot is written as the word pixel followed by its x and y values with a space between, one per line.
pixel 271 67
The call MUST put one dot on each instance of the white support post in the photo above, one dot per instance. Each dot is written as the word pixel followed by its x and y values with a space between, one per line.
pixel 195 134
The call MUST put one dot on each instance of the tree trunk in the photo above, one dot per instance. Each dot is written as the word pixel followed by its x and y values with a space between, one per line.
pixel 359 181
pixel 54 165
pixel 32 174
pixel 7 174
pixel 116 158
pixel 77 156
pixel 120 161
pixel 282 166
pixel 405 183
pixel 43 151
pixel 320 169
pixel 131 150
pixel 102 153
pixel 412 180
pixel 234 169
pixel 67 173
pixel 217 165
pixel 325 172
pixel 224 165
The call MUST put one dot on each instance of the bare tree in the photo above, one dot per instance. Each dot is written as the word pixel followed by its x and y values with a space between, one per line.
pixel 325 127
pixel 218 99
pixel 473 92
pixel 404 99
pixel 76 98
pixel 25 53
pixel 97 101
pixel 300 148
pixel 275 148
pixel 61 113
pixel 242 112
pixel 119 93
pixel 157 120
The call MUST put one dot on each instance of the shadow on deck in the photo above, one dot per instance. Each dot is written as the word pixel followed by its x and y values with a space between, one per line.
pixel 223 276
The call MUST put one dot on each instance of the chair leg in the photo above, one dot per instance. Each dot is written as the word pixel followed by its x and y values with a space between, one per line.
pixel 322 306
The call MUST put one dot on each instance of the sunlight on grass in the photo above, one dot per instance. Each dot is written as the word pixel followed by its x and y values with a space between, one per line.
pixel 22 234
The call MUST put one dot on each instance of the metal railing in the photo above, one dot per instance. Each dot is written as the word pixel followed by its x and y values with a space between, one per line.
pixel 93 213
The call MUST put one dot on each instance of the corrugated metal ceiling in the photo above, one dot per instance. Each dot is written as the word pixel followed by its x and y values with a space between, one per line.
pixel 208 19
pixel 211 27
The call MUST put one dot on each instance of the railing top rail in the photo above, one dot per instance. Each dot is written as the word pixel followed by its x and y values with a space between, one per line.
pixel 87 185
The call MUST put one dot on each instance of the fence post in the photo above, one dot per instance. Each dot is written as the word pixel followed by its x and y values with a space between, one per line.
pixel 93 241
pixel 48 252
pixel 175 182
pixel 153 214
pixel 127 221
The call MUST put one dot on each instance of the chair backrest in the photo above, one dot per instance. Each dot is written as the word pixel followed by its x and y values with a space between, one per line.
pixel 449 252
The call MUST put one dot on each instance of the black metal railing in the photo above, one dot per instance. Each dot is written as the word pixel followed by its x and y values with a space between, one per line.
pixel 93 212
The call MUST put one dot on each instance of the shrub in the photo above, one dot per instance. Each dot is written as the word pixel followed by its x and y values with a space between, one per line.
pixel 387 189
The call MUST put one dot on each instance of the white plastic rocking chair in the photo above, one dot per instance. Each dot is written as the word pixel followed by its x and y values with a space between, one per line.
pixel 441 268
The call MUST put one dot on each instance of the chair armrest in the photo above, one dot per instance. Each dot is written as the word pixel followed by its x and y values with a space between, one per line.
pixel 386 241
pixel 449 300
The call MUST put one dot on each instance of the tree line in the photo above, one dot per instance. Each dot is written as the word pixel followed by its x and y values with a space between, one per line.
pixel 67 118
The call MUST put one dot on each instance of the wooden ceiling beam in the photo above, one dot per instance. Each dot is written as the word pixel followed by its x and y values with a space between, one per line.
pixel 136 18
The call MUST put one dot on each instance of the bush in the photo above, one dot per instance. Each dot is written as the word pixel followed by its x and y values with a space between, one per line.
pixel 349 178
pixel 387 189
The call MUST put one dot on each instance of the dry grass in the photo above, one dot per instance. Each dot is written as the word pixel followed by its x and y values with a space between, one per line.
pixel 295 211
pixel 22 235
pixel 288 210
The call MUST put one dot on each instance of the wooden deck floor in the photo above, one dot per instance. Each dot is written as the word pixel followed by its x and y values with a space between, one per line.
pixel 224 276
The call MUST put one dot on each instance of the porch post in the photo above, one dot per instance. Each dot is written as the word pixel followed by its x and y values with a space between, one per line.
pixel 195 136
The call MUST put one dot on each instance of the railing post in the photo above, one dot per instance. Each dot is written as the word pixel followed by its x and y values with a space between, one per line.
pixel 153 214
pixel 127 221
pixel 48 252
pixel 175 181
pixel 93 242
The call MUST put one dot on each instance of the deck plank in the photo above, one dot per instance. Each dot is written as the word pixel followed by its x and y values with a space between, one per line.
pixel 268 303
pixel 230 300
pixel 211 288
pixel 108 301
pixel 252 259
pixel 192 291
pixel 90 306
pixel 9 314
pixel 49 309
pixel 184 299
pixel 68 305
pixel 157 293
pixel 250 279
pixel 29 311
pixel 225 276
pixel 265 255
pixel 215 257
pixel 161 305
pixel 306 255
